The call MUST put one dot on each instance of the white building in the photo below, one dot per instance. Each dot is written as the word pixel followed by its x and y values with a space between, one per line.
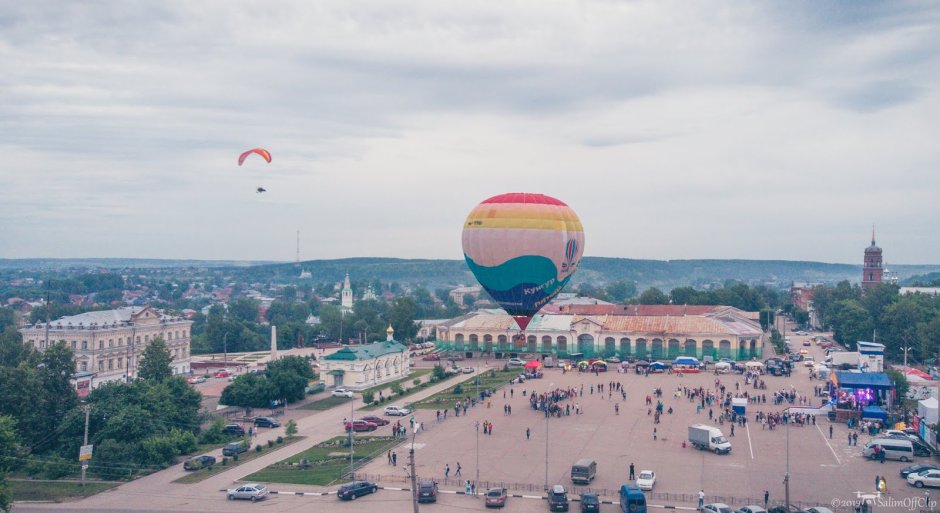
pixel 108 343
pixel 361 367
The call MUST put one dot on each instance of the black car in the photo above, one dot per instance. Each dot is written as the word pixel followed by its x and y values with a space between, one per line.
pixel 350 491
pixel 267 422
pixel 234 429
pixel 557 499
pixel 427 491
pixel 917 469
pixel 590 503
pixel 199 462
pixel 234 448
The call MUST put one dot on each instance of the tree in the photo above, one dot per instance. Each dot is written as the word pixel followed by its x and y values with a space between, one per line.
pixel 653 296
pixel 901 386
pixel 900 326
pixel 248 391
pixel 290 429
pixel 402 318
pixel 244 309
pixel 289 377
pixel 155 365
pixel 620 291
pixel 9 449
pixel 929 334
pixel 850 322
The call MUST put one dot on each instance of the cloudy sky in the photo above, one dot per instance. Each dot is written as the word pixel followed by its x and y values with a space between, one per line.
pixel 765 130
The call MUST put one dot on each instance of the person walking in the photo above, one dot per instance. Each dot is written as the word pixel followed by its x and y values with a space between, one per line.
pixel 631 472
pixel 466 486
pixel 654 433
pixel 457 473
pixel 830 431
pixel 394 459
pixel 617 408
pixel 732 429
pixel 389 457
pixel 701 499
pixel 766 498
pixel 527 433
pixel 446 470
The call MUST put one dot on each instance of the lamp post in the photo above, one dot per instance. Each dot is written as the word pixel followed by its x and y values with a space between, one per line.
pixel 786 477
pixel 477 426
pixel 550 385
pixel 352 414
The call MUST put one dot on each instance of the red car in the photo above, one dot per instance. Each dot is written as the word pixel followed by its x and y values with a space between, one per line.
pixel 378 421
pixel 432 357
pixel 224 373
pixel 360 425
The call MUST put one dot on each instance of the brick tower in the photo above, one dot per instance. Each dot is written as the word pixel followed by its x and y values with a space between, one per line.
pixel 872 271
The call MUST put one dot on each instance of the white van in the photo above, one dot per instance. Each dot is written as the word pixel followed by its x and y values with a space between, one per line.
pixel 894 449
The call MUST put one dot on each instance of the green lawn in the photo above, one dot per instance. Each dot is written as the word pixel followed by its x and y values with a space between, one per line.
pixel 447 397
pixel 329 461
pixel 55 490
pixel 407 382
pixel 325 403
pixel 201 475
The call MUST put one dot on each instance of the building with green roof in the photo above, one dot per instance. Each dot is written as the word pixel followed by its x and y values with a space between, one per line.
pixel 365 366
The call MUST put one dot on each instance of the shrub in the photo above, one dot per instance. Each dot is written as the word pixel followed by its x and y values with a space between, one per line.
pixel 417 381
pixel 270 443
pixel 213 434
pixel 224 460
pixel 368 397
pixel 280 439
pixel 258 448
pixel 396 388
pixel 291 428
pixel 438 373
pixel 375 402
pixel 458 389
pixel 235 457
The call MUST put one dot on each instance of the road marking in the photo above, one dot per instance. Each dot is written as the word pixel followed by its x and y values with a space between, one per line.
pixel 749 446
pixel 836 456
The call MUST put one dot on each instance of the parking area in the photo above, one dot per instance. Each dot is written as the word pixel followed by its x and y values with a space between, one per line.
pixel 821 469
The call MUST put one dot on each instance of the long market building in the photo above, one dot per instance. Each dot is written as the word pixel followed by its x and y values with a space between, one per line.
pixel 605 330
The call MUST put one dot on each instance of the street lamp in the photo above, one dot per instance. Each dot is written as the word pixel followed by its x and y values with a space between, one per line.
pixel 550 385
pixel 352 414
pixel 786 477
pixel 477 426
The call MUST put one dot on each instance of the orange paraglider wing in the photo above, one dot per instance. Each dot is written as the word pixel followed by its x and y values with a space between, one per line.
pixel 265 154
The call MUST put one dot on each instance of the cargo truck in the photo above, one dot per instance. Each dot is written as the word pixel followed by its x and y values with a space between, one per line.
pixel 708 438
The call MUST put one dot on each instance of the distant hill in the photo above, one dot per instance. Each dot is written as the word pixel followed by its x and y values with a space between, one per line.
pixel 664 274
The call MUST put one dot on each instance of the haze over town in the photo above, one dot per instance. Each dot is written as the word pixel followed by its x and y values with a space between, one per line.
pixel 674 130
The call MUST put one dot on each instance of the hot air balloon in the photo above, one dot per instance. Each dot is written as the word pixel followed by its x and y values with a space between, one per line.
pixel 523 249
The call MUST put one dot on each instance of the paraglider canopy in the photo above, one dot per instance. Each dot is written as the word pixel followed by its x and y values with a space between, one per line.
pixel 265 154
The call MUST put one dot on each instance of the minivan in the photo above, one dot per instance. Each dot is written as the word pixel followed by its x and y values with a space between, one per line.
pixel 894 449
pixel 583 471
pixel 632 499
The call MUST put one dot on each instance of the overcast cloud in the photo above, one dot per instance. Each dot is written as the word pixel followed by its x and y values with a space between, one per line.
pixel 767 130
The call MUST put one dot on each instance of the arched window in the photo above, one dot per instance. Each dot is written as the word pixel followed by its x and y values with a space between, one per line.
pixel 586 344
pixel 562 343
pixel 624 347
pixel 546 343
pixel 690 348
pixel 610 347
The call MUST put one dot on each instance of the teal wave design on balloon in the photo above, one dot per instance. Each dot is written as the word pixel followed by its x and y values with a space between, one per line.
pixel 532 270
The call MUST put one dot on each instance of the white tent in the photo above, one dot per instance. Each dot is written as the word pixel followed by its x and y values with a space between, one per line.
pixel 927 408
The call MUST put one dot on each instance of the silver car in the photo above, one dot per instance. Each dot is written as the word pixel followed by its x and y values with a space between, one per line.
pixel 252 492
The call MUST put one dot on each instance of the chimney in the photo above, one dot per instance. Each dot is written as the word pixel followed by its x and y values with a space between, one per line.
pixel 273 343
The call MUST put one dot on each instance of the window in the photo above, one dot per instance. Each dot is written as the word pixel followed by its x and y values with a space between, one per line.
pixel 84 345
pixel 100 364
pixel 84 366
pixel 101 344
pixel 120 341
pixel 111 364
pixel 138 339
pixel 74 345
pixel 120 363
pixel 110 342
pixel 146 339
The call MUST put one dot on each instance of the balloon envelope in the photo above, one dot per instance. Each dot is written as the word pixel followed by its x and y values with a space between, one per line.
pixel 523 249
pixel 265 154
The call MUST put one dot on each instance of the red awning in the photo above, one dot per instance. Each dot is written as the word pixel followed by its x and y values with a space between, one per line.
pixel 534 364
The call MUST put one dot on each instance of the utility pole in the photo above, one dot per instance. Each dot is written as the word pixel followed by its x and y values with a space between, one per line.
pixel 414 476
pixel 225 349
pixel 352 420
pixel 786 478
pixel 87 409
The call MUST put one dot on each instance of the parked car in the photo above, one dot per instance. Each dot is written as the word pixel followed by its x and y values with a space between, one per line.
pixel 917 469
pixel 195 380
pixel 252 492
pixel 467 370
pixel 924 478
pixel 427 491
pixel 433 357
pixel 199 462
pixel 612 359
pixel 267 422
pixel 234 448
pixel 590 503
pixel 350 491
pixel 716 507
pixel 806 343
pixel 753 508
pixel 515 362
pixel 646 480
pixel 396 411
pixel 233 429
pixel 496 497
pixel 558 499
pixel 360 425
pixel 341 392
pixel 378 421
pixel 222 373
